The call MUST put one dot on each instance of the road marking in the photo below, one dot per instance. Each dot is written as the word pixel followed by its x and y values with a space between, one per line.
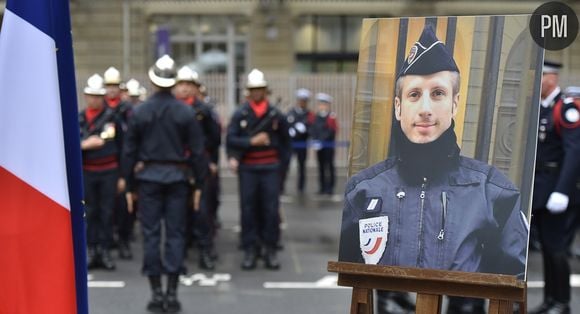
pixel 574 282
pixel 103 284
pixel 203 281
pixel 327 282
pixel 106 284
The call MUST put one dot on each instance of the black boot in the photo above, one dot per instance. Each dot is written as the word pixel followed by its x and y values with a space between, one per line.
pixel 94 258
pixel 271 259
pixel 156 305
pixel 250 258
pixel 107 261
pixel 125 250
pixel 172 304
pixel 205 259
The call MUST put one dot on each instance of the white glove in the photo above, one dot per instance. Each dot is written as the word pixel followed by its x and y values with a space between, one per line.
pixel 300 127
pixel 557 203
pixel 292 132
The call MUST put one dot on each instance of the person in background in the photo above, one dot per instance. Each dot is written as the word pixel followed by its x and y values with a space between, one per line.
pixel 165 138
pixel 258 140
pixel 323 131
pixel 101 135
pixel 202 220
pixel 299 119
pixel 556 199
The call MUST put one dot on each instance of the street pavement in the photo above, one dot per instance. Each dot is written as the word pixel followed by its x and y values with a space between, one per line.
pixel 310 239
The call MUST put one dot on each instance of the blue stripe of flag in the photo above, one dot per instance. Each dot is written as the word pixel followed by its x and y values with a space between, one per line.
pixel 66 76
pixel 34 12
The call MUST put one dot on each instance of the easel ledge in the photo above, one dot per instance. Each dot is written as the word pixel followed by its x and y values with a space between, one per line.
pixel 430 284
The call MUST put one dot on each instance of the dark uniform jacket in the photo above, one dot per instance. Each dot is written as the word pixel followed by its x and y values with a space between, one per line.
pixel 323 129
pixel 558 153
pixel 211 128
pixel 106 125
pixel 469 220
pixel 245 124
pixel 299 121
pixel 164 135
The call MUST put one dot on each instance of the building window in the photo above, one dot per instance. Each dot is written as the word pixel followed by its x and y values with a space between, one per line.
pixel 327 43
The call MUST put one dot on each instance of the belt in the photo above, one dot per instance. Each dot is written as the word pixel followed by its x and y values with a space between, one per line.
pixel 178 164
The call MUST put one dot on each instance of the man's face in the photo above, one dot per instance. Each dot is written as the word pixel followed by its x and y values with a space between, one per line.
pixel 257 94
pixel 323 107
pixel 302 103
pixel 426 106
pixel 94 101
pixel 183 90
pixel 549 82
pixel 113 91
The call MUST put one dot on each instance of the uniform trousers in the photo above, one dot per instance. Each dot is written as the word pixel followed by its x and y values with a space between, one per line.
pixel 556 232
pixel 301 158
pixel 100 192
pixel 259 198
pixel 167 203
pixel 326 169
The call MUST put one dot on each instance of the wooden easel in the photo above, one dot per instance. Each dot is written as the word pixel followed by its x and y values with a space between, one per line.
pixel 430 286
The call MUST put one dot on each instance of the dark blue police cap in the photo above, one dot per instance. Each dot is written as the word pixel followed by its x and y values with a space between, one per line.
pixel 427 56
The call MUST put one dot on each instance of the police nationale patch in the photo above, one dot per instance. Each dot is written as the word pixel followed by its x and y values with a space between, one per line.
pixel 373 235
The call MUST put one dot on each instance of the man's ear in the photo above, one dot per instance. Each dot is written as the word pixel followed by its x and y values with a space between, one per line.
pixel 398 108
pixel 455 105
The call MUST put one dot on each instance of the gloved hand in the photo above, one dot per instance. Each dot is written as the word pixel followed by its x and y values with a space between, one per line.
pixel 557 203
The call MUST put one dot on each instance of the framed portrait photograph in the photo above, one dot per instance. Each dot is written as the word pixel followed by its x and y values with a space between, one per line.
pixel 441 162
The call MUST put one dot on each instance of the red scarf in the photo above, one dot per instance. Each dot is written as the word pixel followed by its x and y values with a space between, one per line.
pixel 259 108
pixel 113 102
pixel 92 113
pixel 189 100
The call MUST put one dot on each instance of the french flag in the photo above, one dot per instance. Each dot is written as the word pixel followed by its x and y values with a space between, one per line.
pixel 42 237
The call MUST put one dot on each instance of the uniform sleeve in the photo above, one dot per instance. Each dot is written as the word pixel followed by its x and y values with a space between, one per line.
pixel 570 132
pixel 504 250
pixel 235 141
pixel 129 154
pixel 195 141
pixel 285 139
pixel 349 248
pixel 213 134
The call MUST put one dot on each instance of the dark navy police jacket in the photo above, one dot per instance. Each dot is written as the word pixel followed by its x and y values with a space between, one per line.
pixel 469 220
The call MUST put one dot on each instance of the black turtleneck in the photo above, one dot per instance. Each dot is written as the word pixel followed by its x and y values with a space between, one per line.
pixel 431 160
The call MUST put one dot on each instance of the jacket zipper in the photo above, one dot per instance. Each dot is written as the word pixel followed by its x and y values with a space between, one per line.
pixel 422 197
pixel 401 196
pixel 441 235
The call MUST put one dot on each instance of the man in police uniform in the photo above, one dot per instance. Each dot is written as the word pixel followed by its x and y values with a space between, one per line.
pixel 101 147
pixel 202 226
pixel 299 119
pixel 427 206
pixel 323 131
pixel 556 196
pixel 258 140
pixel 166 139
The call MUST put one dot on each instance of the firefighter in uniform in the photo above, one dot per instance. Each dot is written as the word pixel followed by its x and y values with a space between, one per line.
pixel 299 120
pixel 123 221
pixel 202 220
pixel 101 146
pixel 556 195
pixel 135 92
pixel 428 206
pixel 323 131
pixel 164 136
pixel 257 140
